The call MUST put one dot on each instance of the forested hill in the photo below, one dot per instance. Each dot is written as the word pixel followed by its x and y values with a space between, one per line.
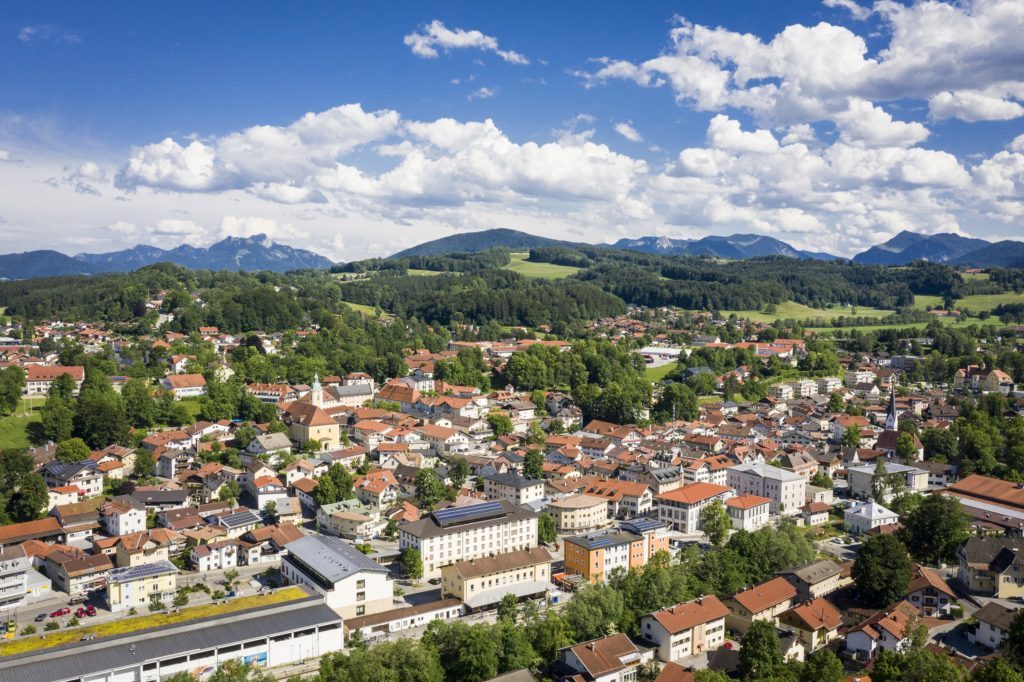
pixel 556 286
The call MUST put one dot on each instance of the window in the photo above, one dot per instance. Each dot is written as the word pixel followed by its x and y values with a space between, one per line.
pixel 360 584
pixel 360 610
pixel 360 596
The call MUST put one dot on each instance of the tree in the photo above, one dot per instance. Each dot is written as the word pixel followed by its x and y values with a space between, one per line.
pixel 715 522
pixel 100 417
pixel 458 471
pixel 823 666
pixel 533 464
pixel 508 608
pixel 997 670
pixel 429 489
pixel 906 449
pixel 935 529
pixel 270 514
pixel 467 652
pixel 31 499
pixel 236 671
pixel 851 436
pixel 821 480
pixel 677 401
pixel 72 450
pixel 882 570
pixel 546 531
pixel 403 660
pixel 139 406
pixel 760 654
pixel 595 611
pixel 12 382
pixel 412 562
pixel 57 419
pixel 145 464
pixel 880 482
pixel 535 435
pixel 336 485
pixel 229 492
pixel 500 423
pixel 835 402
pixel 515 651
pixel 1013 646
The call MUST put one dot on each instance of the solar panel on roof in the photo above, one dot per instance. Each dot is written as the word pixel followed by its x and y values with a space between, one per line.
pixel 142 571
pixel 453 515
pixel 603 542
pixel 642 524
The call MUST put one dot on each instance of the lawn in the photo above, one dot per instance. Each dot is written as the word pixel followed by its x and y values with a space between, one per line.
pixel 47 640
pixel 423 273
pixel 982 302
pixel 789 310
pixel 364 309
pixel 543 270
pixel 13 434
pixel 656 374
pixel 192 405
pixel 922 302
pixel 968 276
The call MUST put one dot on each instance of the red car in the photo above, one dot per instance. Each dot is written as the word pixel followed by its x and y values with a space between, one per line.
pixel 84 611
pixel 61 612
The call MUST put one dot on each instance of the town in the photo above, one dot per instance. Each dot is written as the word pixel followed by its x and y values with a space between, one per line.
pixel 738 499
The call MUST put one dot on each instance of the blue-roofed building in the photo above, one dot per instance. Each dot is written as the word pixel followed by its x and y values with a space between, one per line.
pixel 137 586
pixel 594 555
pixel 352 584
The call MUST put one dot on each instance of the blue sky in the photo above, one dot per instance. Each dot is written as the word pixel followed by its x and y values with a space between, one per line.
pixel 356 131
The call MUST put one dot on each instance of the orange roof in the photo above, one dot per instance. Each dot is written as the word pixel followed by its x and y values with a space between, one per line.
pixel 747 501
pixel 694 492
pixel 186 381
pixel 688 615
pixel 816 614
pixel 45 373
pixel 766 595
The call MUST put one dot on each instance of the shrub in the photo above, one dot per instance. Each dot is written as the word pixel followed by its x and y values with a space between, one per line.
pixel 28 630
pixel 73 622
pixel 52 625
pixel 157 605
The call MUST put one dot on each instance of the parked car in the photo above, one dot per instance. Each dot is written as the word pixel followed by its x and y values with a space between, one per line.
pixel 41 617
pixel 434 581
pixel 77 600
pixel 84 611
pixel 61 612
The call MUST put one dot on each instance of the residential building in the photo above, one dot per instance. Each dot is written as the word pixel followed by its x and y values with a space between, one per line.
pixel 815 623
pixel 38 378
pixel 185 385
pixel 513 487
pixel 687 629
pixel 143 548
pixel 748 512
pixel 123 515
pixel 992 626
pixel 350 519
pixel 215 556
pixel 625 498
pixel 137 586
pixel 884 631
pixel 82 475
pixel 681 507
pixel 482 583
pixel 765 601
pixel 594 555
pixel 927 591
pixel 814 580
pixel 992 566
pixel 468 532
pixel 609 659
pixel 14 567
pixel 784 488
pixel 866 516
pixel 861 479
pixel 578 513
pixel 351 583
pixel 78 576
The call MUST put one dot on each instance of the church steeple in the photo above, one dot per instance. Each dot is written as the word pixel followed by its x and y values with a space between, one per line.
pixel 892 421
pixel 316 392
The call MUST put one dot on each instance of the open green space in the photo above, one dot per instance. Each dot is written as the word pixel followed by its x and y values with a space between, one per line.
pixel 48 640
pixel 192 405
pixel 789 310
pixel 968 276
pixel 364 309
pixel 422 273
pixel 543 270
pixel 656 374
pixel 14 429
pixel 924 302
pixel 983 302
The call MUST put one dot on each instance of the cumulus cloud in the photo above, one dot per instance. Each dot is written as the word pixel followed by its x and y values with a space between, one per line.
pixel 482 93
pixel 965 59
pixel 430 38
pixel 858 12
pixel 626 129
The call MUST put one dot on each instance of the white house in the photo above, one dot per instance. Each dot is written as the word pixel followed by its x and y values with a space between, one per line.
pixel 352 584
pixel 215 556
pixel 861 518
pixel 784 488
pixel 687 629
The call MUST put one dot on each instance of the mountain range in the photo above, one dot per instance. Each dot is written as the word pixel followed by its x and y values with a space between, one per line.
pixel 733 247
pixel 233 253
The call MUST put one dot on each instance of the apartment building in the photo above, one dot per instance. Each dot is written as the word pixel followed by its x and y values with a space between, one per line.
pixel 351 583
pixel 784 488
pixel 578 513
pixel 761 602
pixel 136 586
pixel 468 532
pixel 681 508
pixel 513 487
pixel 482 583
pixel 594 555
pixel 686 629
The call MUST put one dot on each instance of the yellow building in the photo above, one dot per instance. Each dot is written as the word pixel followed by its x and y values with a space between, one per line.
pixel 308 422
pixel 578 513
pixel 136 586
pixel 482 582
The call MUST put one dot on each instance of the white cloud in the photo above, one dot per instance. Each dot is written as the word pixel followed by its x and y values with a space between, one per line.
pixel 858 12
pixel 481 93
pixel 867 125
pixel 4 155
pixel 725 133
pixel 626 129
pixel 284 193
pixel 1017 145
pixel 48 33
pixel 436 35
pixel 966 59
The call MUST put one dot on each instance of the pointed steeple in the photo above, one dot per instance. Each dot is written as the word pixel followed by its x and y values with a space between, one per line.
pixel 316 393
pixel 892 421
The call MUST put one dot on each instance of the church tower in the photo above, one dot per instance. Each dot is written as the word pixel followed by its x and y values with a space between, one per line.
pixel 892 422
pixel 316 393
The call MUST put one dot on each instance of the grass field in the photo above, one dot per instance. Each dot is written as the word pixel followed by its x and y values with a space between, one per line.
pixel 922 302
pixel 192 405
pixel 48 640
pixel 423 273
pixel 364 309
pixel 543 270
pixel 789 310
pixel 981 302
pixel 656 374
pixel 13 435
pixel 968 276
